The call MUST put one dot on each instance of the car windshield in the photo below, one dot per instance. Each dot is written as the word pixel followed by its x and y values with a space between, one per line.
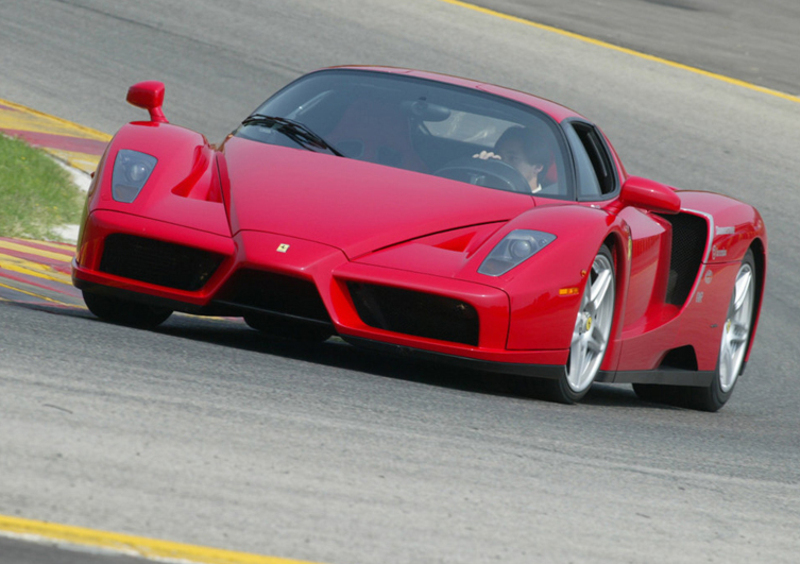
pixel 419 125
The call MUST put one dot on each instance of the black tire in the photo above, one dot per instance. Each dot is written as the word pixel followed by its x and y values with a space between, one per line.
pixel 593 326
pixel 288 328
pixel 123 312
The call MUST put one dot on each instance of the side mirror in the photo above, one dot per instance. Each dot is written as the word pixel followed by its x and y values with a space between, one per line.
pixel 149 95
pixel 649 195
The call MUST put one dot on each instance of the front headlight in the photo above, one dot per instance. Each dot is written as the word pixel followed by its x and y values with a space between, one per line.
pixel 516 247
pixel 131 171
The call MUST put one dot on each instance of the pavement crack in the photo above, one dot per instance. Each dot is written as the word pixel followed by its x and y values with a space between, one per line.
pixel 64 409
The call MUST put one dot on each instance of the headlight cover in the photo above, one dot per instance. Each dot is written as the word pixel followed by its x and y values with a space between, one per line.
pixel 513 250
pixel 131 171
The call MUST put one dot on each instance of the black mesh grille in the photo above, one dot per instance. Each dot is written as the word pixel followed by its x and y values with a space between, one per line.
pixel 275 293
pixel 157 262
pixel 415 313
pixel 689 236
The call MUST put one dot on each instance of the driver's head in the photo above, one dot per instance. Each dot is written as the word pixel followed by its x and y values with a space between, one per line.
pixel 518 147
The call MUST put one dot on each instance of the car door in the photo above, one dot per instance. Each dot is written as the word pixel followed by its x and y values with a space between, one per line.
pixel 645 317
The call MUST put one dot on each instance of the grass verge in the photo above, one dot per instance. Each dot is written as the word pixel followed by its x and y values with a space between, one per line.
pixel 36 194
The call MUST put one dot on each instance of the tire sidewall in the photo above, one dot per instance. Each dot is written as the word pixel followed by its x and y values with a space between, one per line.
pixel 716 396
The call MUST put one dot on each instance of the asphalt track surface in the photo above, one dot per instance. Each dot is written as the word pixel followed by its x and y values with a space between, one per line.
pixel 753 41
pixel 204 433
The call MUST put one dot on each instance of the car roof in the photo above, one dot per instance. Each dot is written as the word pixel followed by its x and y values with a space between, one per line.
pixel 556 111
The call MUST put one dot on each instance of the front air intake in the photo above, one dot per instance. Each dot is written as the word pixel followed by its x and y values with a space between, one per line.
pixel 271 292
pixel 157 262
pixel 415 313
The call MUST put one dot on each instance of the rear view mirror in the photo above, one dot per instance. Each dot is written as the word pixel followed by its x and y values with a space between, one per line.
pixel 149 95
pixel 649 195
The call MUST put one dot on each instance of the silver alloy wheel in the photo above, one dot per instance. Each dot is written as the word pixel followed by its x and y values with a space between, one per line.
pixel 593 325
pixel 736 332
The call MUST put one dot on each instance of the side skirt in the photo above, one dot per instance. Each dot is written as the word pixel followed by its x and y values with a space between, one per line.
pixel 659 376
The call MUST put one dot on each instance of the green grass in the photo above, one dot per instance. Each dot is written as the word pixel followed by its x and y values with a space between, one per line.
pixel 36 194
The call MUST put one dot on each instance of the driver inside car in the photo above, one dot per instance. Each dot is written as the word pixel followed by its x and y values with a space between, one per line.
pixel 518 147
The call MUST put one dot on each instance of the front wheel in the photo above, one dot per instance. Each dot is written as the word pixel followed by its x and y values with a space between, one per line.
pixel 591 334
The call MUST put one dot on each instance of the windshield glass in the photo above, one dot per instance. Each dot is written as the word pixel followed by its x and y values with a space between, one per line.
pixel 420 125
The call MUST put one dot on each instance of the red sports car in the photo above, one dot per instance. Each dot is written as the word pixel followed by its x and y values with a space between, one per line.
pixel 425 214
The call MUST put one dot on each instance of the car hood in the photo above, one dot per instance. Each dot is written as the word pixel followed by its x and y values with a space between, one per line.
pixel 355 206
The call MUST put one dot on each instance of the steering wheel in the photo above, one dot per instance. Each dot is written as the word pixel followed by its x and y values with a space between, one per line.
pixel 490 173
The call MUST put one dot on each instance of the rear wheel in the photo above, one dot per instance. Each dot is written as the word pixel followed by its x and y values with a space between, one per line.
pixel 736 335
pixel 124 312
pixel 591 333
pixel 288 328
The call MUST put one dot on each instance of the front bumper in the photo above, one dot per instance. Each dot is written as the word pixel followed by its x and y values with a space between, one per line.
pixel 294 274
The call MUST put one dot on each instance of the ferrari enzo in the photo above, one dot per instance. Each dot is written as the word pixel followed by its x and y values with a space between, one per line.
pixel 380 205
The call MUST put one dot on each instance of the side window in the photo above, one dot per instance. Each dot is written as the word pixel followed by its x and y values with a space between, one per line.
pixel 595 171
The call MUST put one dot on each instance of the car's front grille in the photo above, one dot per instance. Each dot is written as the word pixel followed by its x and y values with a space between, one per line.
pixel 416 313
pixel 157 262
pixel 274 293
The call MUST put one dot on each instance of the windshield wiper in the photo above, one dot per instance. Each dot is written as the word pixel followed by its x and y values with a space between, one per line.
pixel 294 130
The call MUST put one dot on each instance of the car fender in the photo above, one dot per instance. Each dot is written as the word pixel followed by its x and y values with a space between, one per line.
pixel 734 227
pixel 183 187
pixel 545 291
